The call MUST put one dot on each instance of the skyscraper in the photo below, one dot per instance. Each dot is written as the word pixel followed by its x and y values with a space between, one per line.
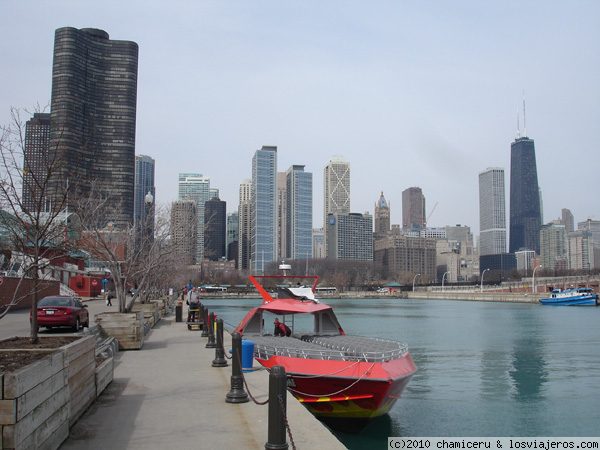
pixel 413 209
pixel 93 115
pixel 35 161
pixel 244 229
pixel 350 236
pixel 492 212
pixel 567 220
pixel 233 224
pixel 263 216
pixel 299 213
pixel 194 186
pixel 525 216
pixel 382 216
pixel 144 183
pixel 553 246
pixel 336 189
pixel 183 230
pixel 215 227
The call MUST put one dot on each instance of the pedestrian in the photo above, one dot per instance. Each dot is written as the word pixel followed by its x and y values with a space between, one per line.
pixel 194 305
pixel 108 299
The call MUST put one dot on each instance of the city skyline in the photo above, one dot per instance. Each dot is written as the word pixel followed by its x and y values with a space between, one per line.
pixel 403 107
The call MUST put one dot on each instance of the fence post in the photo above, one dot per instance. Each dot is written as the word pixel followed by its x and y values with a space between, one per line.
pixel 219 360
pixel 277 409
pixel 236 394
pixel 211 331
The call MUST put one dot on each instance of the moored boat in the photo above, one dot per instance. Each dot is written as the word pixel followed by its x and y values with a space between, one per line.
pixel 574 296
pixel 334 375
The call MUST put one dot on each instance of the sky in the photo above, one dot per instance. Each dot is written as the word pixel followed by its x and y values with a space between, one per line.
pixel 411 93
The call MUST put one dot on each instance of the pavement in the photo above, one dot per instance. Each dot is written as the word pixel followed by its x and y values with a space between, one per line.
pixel 167 395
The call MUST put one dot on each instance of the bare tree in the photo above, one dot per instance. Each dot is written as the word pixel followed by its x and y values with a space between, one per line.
pixel 33 228
pixel 135 260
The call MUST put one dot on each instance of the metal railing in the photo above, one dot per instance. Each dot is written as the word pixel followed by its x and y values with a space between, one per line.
pixel 323 350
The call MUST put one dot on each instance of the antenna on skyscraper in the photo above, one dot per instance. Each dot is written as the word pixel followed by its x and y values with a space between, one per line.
pixel 524 117
pixel 518 125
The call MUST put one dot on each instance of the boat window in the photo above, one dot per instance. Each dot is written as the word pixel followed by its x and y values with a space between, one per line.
pixel 326 324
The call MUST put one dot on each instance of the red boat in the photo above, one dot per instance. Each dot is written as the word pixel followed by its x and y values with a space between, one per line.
pixel 334 375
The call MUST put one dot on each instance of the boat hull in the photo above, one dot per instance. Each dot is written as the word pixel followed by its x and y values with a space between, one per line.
pixel 583 300
pixel 345 389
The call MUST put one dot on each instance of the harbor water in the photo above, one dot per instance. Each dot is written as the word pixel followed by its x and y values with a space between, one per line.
pixel 483 369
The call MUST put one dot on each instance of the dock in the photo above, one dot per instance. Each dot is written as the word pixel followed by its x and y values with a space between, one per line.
pixel 168 395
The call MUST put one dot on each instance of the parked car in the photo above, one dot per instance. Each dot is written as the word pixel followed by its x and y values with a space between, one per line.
pixel 62 311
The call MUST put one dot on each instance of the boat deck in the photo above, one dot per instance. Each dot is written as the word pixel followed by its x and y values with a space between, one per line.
pixel 343 348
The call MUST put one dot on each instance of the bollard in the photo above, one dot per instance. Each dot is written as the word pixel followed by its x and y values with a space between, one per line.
pixel 236 394
pixel 205 324
pixel 211 332
pixel 179 313
pixel 219 360
pixel 277 409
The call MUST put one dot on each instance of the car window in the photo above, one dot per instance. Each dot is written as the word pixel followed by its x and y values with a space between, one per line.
pixel 55 301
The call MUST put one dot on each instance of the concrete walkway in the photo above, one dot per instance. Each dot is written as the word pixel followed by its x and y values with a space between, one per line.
pixel 168 395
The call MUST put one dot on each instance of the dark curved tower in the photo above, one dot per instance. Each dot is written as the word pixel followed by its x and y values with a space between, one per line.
pixel 525 215
pixel 93 114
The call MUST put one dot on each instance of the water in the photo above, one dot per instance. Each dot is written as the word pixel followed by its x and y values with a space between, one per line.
pixel 483 369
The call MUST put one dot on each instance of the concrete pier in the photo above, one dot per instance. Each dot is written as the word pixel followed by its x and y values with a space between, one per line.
pixel 168 395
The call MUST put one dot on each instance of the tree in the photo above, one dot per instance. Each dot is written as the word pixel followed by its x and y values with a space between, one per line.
pixel 142 261
pixel 33 227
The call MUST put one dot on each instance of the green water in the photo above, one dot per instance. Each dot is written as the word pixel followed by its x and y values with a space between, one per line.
pixel 483 369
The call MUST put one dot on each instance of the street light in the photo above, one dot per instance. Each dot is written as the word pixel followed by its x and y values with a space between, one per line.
pixel 482 274
pixel 443 277
pixel 415 277
pixel 533 278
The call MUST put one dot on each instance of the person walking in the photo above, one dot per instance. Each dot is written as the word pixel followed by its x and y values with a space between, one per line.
pixel 194 304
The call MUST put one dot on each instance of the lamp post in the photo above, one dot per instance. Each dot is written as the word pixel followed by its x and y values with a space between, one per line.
pixel 415 277
pixel 443 277
pixel 482 274
pixel 533 278
pixel 148 221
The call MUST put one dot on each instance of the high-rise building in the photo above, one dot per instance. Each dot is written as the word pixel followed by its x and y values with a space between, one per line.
pixel 318 243
pixel 215 228
pixel 144 184
pixel 396 254
pixel 525 215
pixel 299 213
pixel 413 209
pixel 492 212
pixel 233 224
pixel 567 220
pixel 350 236
pixel 282 211
pixel 194 186
pixel 336 189
pixel 553 246
pixel 93 115
pixel 244 227
pixel 35 162
pixel 382 216
pixel 183 231
pixel 263 216
pixel 581 251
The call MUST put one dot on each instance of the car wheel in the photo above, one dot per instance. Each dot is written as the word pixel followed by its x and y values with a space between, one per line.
pixel 77 326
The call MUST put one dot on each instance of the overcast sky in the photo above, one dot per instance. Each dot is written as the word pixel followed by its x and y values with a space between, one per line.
pixel 411 93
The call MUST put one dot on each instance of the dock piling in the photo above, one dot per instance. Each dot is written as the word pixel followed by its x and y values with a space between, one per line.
pixel 219 360
pixel 277 410
pixel 236 394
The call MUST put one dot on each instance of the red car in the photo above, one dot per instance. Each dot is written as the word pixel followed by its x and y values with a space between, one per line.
pixel 62 311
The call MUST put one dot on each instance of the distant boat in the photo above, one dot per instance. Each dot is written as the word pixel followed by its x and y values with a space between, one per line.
pixel 573 296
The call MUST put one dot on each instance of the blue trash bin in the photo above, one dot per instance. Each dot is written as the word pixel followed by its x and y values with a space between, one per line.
pixel 247 355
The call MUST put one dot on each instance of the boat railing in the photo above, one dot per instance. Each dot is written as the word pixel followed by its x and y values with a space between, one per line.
pixel 337 351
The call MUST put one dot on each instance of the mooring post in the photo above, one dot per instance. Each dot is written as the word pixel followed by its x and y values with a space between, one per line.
pixel 236 394
pixel 219 360
pixel 211 331
pixel 277 409
pixel 204 312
